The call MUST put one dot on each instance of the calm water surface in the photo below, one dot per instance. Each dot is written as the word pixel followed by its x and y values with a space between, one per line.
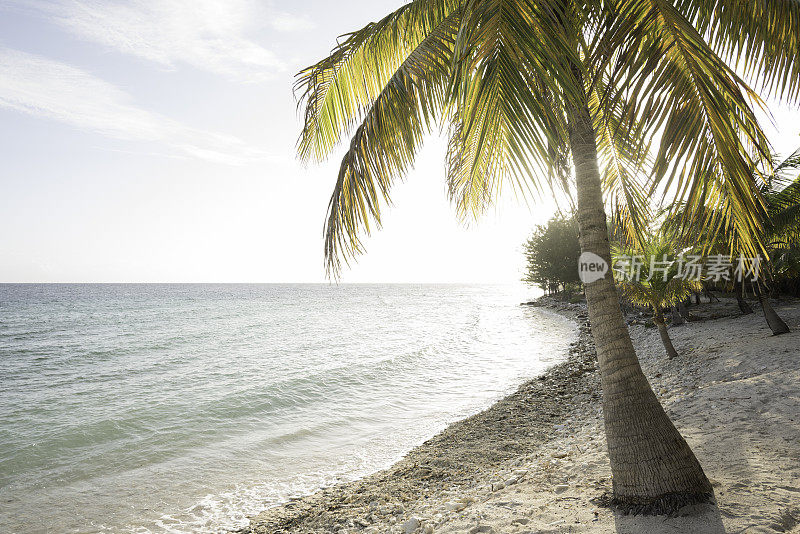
pixel 183 408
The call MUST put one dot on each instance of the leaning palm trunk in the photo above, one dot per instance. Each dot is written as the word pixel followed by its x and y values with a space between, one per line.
pixel 711 296
pixel 649 458
pixel 744 307
pixel 677 316
pixel 776 324
pixel 658 319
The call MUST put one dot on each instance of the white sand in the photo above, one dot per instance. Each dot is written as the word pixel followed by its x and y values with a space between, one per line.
pixel 734 394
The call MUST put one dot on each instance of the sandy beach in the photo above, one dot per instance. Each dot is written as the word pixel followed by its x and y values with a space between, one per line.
pixel 535 461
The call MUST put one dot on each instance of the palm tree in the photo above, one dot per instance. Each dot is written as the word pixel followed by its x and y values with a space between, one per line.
pixel 782 228
pixel 780 235
pixel 738 291
pixel 782 232
pixel 531 89
pixel 657 284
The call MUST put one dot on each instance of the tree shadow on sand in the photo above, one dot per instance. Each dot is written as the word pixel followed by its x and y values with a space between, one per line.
pixel 697 518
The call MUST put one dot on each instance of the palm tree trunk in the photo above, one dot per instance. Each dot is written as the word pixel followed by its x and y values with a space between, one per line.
pixel 651 463
pixel 744 307
pixel 711 296
pixel 682 309
pixel 776 324
pixel 677 317
pixel 658 319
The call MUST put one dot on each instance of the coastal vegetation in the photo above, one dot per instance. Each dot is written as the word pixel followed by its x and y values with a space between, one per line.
pixel 551 255
pixel 781 191
pixel 657 284
pixel 779 258
pixel 611 102
pixel 552 251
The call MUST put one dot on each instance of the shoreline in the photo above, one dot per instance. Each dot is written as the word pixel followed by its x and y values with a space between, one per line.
pixel 467 453
pixel 535 462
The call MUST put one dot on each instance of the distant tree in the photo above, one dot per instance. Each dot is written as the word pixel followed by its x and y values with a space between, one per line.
pixel 552 253
pixel 657 286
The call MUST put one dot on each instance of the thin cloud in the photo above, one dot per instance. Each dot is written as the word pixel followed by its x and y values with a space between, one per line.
pixel 212 35
pixel 45 88
pixel 286 22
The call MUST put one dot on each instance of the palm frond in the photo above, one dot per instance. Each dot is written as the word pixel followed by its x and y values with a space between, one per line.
pixel 624 162
pixel 384 145
pixel 790 163
pixel 654 288
pixel 763 36
pixel 783 200
pixel 339 90
pixel 507 122
pixel 710 137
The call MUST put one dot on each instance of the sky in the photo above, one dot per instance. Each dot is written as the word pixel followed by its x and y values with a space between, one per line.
pixel 154 141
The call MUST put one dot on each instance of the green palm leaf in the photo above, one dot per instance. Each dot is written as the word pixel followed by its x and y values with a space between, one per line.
pixel 385 143
pixel 505 123
pixel 624 161
pixel 763 36
pixel 339 90
pixel 701 110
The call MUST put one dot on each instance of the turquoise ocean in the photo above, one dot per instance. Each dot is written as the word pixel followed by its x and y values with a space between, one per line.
pixel 184 408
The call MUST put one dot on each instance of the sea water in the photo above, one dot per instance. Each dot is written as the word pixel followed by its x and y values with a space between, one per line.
pixel 185 408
